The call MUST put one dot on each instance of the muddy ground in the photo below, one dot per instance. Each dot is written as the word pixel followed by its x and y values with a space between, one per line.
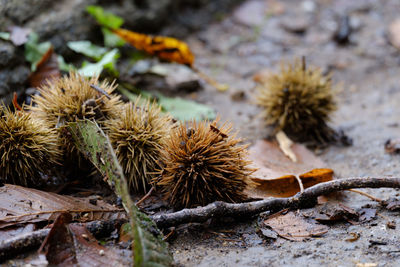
pixel 258 35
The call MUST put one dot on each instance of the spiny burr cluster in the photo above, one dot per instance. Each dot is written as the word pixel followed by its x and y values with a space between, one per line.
pixel 299 101
pixel 29 148
pixel 202 164
pixel 138 136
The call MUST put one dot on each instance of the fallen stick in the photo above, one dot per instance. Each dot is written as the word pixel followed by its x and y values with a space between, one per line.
pixel 28 241
pixel 305 199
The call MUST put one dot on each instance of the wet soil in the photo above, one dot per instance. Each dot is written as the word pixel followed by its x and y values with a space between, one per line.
pixel 258 35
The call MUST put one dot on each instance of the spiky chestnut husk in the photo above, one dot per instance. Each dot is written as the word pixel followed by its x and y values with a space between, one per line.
pixel 203 164
pixel 29 149
pixel 299 101
pixel 72 98
pixel 138 136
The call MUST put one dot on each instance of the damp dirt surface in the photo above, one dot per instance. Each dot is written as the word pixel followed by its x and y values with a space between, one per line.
pixel 366 69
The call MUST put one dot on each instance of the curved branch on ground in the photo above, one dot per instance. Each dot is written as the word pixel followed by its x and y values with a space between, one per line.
pixel 307 198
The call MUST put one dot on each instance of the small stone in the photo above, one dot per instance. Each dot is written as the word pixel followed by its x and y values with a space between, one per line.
pixel 250 13
pixel 297 25
pixel 101 252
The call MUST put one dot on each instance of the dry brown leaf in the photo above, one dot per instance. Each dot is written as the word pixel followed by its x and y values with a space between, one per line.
pixel 47 69
pixel 27 205
pixel 276 174
pixel 73 245
pixel 294 226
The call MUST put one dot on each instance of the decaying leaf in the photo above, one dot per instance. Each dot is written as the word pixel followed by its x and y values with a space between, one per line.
pixel 294 226
pixel 20 205
pixel 332 212
pixel 58 247
pixel 276 174
pixel 68 244
pixel 166 48
pixel 47 69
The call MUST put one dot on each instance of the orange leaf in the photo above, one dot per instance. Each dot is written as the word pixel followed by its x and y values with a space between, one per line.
pixel 166 48
pixel 276 174
pixel 15 102
pixel 46 70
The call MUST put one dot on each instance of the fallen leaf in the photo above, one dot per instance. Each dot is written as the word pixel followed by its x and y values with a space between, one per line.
pixel 19 35
pixel 34 50
pixel 15 102
pixel 367 214
pixel 88 49
pixel 185 110
pixel 19 205
pixel 166 48
pixel 329 212
pixel 285 145
pixel 392 204
pixel 46 69
pixel 58 247
pixel 276 174
pixel 106 62
pixel 179 108
pixel 294 226
pixel 268 233
pixel 90 253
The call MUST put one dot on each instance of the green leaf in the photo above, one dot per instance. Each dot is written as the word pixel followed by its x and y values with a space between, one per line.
pixel 104 18
pixel 148 248
pixel 185 110
pixel 34 50
pixel 106 62
pixel 179 108
pixel 111 39
pixel 5 36
pixel 88 49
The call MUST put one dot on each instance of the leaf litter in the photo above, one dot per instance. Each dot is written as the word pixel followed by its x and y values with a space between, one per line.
pixel 20 205
pixel 276 174
pixel 293 226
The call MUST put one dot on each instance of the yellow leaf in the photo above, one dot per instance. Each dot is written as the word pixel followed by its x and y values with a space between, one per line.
pixel 166 48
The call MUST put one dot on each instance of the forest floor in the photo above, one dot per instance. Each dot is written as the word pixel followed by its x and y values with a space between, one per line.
pixel 259 35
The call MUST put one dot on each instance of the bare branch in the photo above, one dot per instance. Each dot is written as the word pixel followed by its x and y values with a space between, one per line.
pixel 307 198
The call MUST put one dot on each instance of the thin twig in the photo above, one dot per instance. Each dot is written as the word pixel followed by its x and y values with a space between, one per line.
pixel 98 89
pixel 145 197
pixel 366 195
pixel 307 198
